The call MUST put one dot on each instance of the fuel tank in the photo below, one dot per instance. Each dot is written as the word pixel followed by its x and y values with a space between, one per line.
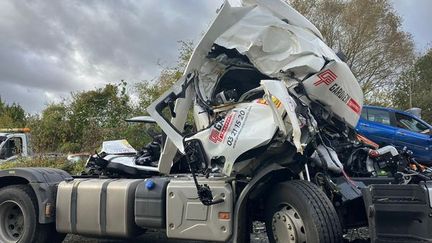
pixel 97 207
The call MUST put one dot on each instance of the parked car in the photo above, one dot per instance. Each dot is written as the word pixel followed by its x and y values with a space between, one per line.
pixel 401 129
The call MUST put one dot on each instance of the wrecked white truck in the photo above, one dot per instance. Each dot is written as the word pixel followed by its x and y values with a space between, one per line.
pixel 259 128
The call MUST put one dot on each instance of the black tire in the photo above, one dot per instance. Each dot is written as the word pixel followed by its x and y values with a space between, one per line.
pixel 301 207
pixel 19 201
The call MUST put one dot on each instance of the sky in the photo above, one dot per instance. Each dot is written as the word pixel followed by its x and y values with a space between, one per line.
pixel 50 48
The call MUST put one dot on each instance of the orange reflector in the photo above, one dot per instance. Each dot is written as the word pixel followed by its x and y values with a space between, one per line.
pixel 224 215
pixel 49 210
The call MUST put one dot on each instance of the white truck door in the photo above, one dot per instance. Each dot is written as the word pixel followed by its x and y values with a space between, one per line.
pixel 13 147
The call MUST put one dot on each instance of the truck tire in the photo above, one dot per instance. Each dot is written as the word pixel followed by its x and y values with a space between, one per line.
pixel 19 218
pixel 298 211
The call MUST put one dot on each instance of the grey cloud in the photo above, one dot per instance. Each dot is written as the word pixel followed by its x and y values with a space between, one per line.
pixel 60 46
pixel 32 99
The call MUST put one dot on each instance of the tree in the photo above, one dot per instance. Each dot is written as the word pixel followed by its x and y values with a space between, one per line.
pixel 2 106
pixel 6 121
pixel 11 115
pixel 84 123
pixel 99 115
pixel 414 88
pixel 16 113
pixel 51 130
pixel 368 32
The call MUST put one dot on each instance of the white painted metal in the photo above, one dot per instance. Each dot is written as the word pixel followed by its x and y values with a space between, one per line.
pixel 188 218
pixel 277 40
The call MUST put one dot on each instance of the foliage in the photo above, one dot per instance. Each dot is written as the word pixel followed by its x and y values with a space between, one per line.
pixel 83 124
pixel 368 33
pixel 98 114
pixel 59 163
pixel 51 129
pixel 11 115
pixel 414 88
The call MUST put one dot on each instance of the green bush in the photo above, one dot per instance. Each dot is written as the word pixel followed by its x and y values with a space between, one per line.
pixel 52 162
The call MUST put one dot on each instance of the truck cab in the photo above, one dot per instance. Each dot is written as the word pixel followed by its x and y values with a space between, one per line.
pixel 14 144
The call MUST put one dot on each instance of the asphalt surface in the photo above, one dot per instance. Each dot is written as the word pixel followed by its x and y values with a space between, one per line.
pixel 258 236
pixel 154 237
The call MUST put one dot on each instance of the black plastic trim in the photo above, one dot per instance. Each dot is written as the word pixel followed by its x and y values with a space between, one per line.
pixel 44 182
pixel 241 224
pixel 398 213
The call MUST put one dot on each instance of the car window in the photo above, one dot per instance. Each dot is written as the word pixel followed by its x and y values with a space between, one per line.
pixel 379 116
pixel 410 123
pixel 17 150
pixel 12 147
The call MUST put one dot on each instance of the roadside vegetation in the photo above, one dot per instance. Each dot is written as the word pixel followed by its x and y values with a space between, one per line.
pixel 73 168
pixel 368 32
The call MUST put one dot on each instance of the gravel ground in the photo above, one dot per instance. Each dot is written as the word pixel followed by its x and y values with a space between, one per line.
pixel 154 237
pixel 258 236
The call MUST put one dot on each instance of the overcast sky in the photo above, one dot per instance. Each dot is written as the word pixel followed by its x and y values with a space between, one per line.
pixel 49 48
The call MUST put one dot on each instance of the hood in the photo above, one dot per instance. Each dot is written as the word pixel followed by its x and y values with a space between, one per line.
pixel 277 40
pixel 270 26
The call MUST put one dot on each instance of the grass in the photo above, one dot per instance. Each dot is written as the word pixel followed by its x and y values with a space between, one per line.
pixel 62 163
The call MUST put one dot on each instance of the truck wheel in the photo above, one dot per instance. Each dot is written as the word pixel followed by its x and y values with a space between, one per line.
pixel 18 216
pixel 298 211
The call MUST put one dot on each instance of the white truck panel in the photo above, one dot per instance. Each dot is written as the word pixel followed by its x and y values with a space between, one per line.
pixel 188 218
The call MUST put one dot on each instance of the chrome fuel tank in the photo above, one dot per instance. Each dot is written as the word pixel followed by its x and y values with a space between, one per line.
pixel 97 207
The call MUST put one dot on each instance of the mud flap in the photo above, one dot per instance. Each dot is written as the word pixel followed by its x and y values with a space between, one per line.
pixel 399 213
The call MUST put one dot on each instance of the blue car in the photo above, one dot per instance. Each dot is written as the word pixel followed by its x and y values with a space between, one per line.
pixel 387 126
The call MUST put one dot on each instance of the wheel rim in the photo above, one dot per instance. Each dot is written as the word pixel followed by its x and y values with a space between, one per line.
pixel 12 222
pixel 288 226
